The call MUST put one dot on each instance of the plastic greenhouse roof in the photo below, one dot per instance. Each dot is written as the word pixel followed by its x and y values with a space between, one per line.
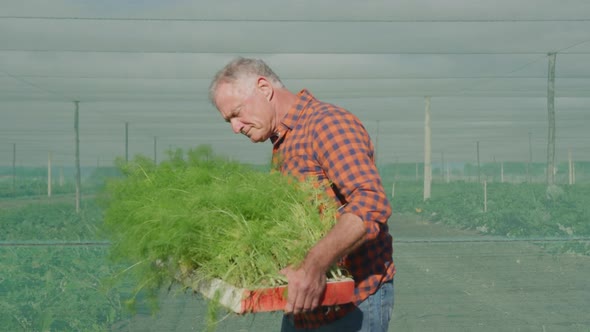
pixel 484 64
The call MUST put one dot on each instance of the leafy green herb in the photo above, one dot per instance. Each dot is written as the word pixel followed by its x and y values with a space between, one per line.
pixel 201 214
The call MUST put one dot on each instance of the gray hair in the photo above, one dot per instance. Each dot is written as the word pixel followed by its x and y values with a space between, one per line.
pixel 241 68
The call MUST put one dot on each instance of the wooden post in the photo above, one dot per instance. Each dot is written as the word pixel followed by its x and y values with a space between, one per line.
pixel 393 190
pixel 49 175
pixel 573 173
pixel 493 169
pixel 530 163
pixel 570 168
pixel 77 143
pixel 427 151
pixel 485 196
pixel 13 168
pixel 551 120
pixel 478 165
pixel 155 150
pixel 442 166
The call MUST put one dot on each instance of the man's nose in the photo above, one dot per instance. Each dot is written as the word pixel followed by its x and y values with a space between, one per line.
pixel 236 125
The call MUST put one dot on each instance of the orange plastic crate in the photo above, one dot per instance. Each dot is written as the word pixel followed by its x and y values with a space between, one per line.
pixel 242 300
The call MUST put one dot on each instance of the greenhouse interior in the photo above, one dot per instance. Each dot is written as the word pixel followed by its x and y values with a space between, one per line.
pixel 478 113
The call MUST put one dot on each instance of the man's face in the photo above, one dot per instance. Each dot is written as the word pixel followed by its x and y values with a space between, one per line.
pixel 246 109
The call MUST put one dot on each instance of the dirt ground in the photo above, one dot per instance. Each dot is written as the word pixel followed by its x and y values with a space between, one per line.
pixel 447 280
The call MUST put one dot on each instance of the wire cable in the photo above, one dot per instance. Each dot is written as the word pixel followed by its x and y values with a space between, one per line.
pixel 294 20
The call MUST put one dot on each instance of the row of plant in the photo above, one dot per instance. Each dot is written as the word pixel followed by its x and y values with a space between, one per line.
pixel 521 171
pixel 33 187
pixel 514 210
pixel 156 216
pixel 50 283
pixel 57 288
pixel 194 212
pixel 46 220
pixel 34 182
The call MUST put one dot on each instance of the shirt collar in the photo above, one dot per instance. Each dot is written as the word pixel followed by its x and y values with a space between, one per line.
pixel 304 97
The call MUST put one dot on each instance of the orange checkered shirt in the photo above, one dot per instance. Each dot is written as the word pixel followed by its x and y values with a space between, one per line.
pixel 324 141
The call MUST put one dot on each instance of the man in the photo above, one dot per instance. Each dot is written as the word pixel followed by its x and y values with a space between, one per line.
pixel 316 139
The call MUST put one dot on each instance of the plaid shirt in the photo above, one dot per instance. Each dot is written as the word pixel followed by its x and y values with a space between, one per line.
pixel 324 141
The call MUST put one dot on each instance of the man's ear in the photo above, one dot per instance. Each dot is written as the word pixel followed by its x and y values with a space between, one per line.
pixel 265 87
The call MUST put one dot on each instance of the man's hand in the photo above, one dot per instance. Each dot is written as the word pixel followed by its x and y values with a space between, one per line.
pixel 308 282
pixel 305 289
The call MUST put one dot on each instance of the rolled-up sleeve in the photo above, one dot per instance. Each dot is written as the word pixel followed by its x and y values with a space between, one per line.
pixel 345 153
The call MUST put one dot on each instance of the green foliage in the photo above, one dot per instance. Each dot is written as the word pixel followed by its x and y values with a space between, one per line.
pixel 30 182
pixel 56 289
pixel 517 210
pixel 398 171
pixel 46 286
pixel 213 313
pixel 32 187
pixel 198 212
pixel 43 221
pixel 100 175
pixel 23 171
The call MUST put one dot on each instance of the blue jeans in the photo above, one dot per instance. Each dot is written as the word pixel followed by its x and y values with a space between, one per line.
pixel 372 315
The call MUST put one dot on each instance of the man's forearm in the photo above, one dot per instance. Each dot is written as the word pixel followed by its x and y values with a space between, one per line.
pixel 346 235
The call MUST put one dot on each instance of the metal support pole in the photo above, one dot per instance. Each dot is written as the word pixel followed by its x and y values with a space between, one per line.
pixel 427 151
pixel 14 168
pixel 77 142
pixel 551 121
pixel 478 165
